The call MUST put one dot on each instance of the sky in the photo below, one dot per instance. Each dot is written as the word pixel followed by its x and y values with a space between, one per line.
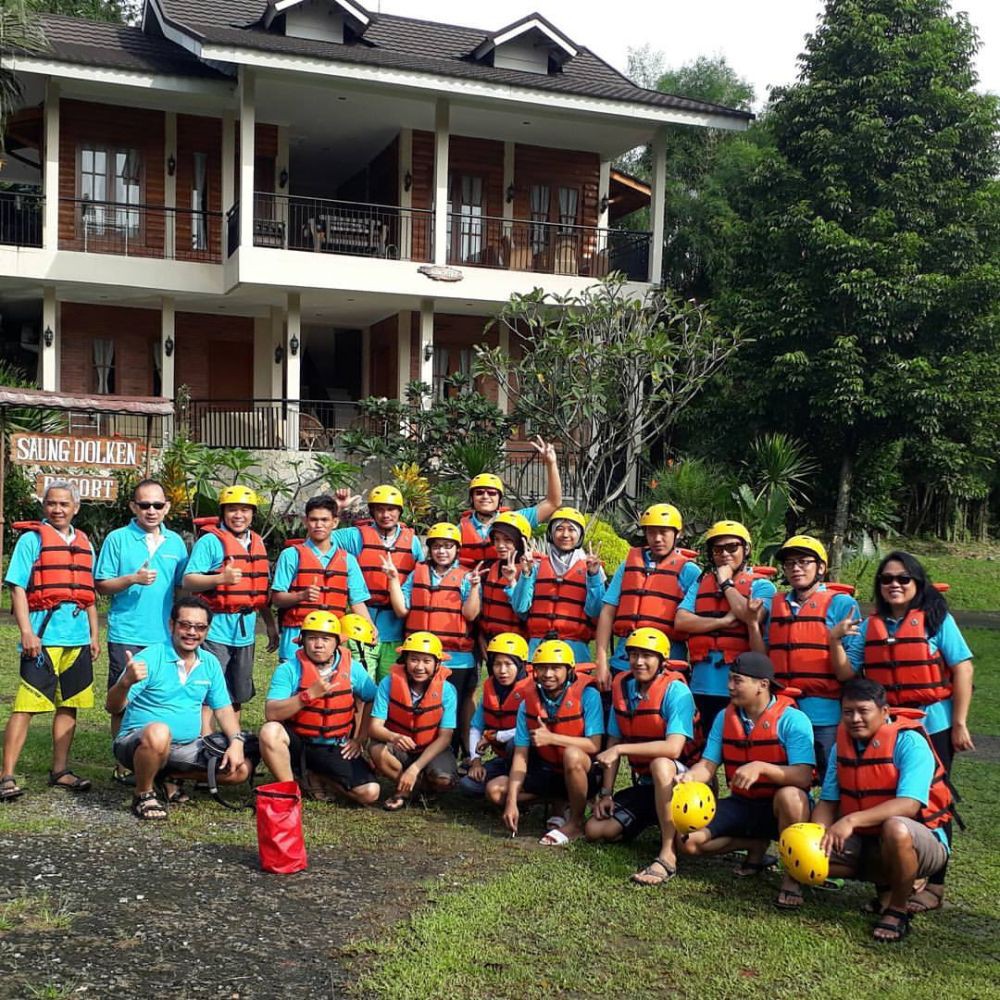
pixel 761 39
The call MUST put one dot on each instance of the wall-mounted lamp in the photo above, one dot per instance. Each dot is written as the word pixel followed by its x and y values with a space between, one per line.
pixel 168 346
pixel 428 352
pixel 171 165
pixel 283 178
pixel 279 354
pixel 510 193
pixel 604 204
pixel 407 181
pixel 48 336
pixel 293 345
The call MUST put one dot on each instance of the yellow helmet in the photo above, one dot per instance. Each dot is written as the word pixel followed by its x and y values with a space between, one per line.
pixel 511 519
pixel 661 515
pixel 510 644
pixel 238 494
pixel 569 514
pixel 355 627
pixel 692 806
pixel 722 528
pixel 651 639
pixel 387 495
pixel 802 855
pixel 423 642
pixel 803 543
pixel 321 621
pixel 443 531
pixel 554 651
pixel 486 481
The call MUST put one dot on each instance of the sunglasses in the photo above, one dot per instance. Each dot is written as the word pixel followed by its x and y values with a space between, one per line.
pixel 146 504
pixel 191 626
pixel 901 578
pixel 728 547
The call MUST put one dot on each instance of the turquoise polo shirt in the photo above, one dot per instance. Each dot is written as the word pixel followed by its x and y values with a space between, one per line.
pixel 69 625
pixel 138 615
pixel 161 697
pixel 456 660
pixel 482 528
pixel 590 703
pixel 795 734
pixel 285 568
pixel 449 703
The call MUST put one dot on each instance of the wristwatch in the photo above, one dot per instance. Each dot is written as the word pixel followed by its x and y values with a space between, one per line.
pixel 606 795
pixel 726 584
pixel 238 736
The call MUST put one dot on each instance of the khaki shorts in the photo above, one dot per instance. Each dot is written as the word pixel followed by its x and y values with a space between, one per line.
pixel 863 854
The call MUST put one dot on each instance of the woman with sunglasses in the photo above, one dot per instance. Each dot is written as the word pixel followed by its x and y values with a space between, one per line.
pixel 912 646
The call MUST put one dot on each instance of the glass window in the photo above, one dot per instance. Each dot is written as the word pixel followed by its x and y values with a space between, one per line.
pixel 539 217
pixel 199 203
pixel 111 179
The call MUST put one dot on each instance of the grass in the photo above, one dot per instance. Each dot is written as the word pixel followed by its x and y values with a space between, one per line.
pixel 34 913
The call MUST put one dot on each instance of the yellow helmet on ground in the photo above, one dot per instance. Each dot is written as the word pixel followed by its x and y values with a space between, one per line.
pixel 321 621
pixel 509 644
pixel 387 495
pixel 803 543
pixel 692 806
pixel 569 514
pixel 802 855
pixel 423 642
pixel 650 639
pixel 486 481
pixel 661 515
pixel 444 532
pixel 238 494
pixel 511 519
pixel 723 528
pixel 554 651
pixel 355 627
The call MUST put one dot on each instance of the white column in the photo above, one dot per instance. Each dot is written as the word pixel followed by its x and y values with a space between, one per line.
pixel 49 366
pixel 169 185
pixel 427 346
pixel 50 230
pixel 263 357
pixel 405 196
pixel 366 362
pixel 167 333
pixel 275 386
pixel 603 192
pixel 658 203
pixel 402 353
pixel 441 115
pixel 228 161
pixel 503 342
pixel 293 369
pixel 247 123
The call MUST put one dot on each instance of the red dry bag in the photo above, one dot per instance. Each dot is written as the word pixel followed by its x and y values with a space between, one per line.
pixel 280 842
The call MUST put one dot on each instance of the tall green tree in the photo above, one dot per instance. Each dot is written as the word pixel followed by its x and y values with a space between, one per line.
pixel 865 244
pixel 19 32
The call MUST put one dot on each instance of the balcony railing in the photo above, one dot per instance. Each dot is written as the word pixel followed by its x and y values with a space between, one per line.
pixel 21 219
pixel 140 230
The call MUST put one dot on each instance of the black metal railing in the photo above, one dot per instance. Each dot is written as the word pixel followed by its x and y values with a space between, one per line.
pixel 21 216
pixel 140 230
pixel 325 225
pixel 546 247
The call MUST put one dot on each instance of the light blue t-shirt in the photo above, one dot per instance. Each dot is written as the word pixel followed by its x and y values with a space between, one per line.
pixel 69 625
pixel 288 674
pixel 161 697
pixel 688 575
pixel 593 715
pixel 390 628
pixel 795 734
pixel 711 676
pixel 228 629
pixel 482 528
pixel 140 615
pixel 285 568
pixel 913 759
pixel 456 660
pixel 449 703
pixel 824 711
pixel 948 641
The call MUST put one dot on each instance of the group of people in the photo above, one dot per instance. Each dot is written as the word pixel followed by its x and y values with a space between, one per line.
pixel 682 663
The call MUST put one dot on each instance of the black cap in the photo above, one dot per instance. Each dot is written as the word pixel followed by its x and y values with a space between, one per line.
pixel 756 665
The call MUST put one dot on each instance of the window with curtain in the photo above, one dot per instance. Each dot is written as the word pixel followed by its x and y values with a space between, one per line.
pixel 112 178
pixel 104 366
pixel 157 346
pixel 440 371
pixel 465 233
pixel 569 199
pixel 447 363
pixel 539 216
pixel 199 203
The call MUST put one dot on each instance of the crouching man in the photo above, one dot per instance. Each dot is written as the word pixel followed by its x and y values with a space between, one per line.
pixel 317 709
pixel 161 692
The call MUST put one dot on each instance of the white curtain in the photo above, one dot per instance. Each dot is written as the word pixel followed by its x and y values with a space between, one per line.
pixel 568 200
pixel 104 357
pixel 440 370
pixel 472 217
pixel 539 216
pixel 199 203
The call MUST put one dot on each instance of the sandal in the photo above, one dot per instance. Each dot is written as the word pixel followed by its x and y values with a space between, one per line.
pixel 653 877
pixel 148 807
pixel 177 797
pixel 750 869
pixel 899 929
pixel 395 802
pixel 78 784
pixel 875 905
pixel 9 788
pixel 122 776
pixel 924 901
pixel 789 899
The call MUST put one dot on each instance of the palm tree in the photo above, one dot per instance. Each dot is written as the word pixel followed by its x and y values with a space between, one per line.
pixel 19 31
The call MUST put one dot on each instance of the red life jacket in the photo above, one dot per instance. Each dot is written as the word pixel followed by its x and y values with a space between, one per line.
pixel 250 594
pixel 869 778
pixel 474 548
pixel 496 615
pixel 331 580
pixel 372 554
pixel 558 604
pixel 645 723
pixel 439 609
pixel 500 714
pixel 762 743
pixel 422 721
pixel 798 645
pixel 650 597
pixel 63 573
pixel 711 602
pixel 568 720
pixel 332 716
pixel 904 664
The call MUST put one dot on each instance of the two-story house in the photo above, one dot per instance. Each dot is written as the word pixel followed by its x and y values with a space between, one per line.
pixel 287 205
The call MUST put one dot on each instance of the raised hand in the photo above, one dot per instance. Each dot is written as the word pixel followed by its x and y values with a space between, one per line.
pixel 389 568
pixel 545 451
pixel 135 670
pixel 850 625
pixel 144 576
pixel 542 736
pixel 509 569
pixel 231 573
pixel 475 575
pixel 593 560
pixel 751 613
pixel 345 499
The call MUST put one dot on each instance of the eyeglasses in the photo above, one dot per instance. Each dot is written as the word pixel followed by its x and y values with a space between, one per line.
pixel 191 626
pixel 146 504
pixel 730 548
pixel 792 561
pixel 901 578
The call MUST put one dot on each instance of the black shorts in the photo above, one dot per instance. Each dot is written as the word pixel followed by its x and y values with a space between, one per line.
pixel 747 819
pixel 464 680
pixel 325 759
pixel 547 782
pixel 237 667
pixel 117 657
pixel 635 810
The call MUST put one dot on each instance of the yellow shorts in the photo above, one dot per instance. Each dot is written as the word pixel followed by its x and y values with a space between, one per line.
pixel 62 678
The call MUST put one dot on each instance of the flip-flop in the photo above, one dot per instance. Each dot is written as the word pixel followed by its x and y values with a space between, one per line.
pixel 669 873
pixel 395 803
pixel 555 838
